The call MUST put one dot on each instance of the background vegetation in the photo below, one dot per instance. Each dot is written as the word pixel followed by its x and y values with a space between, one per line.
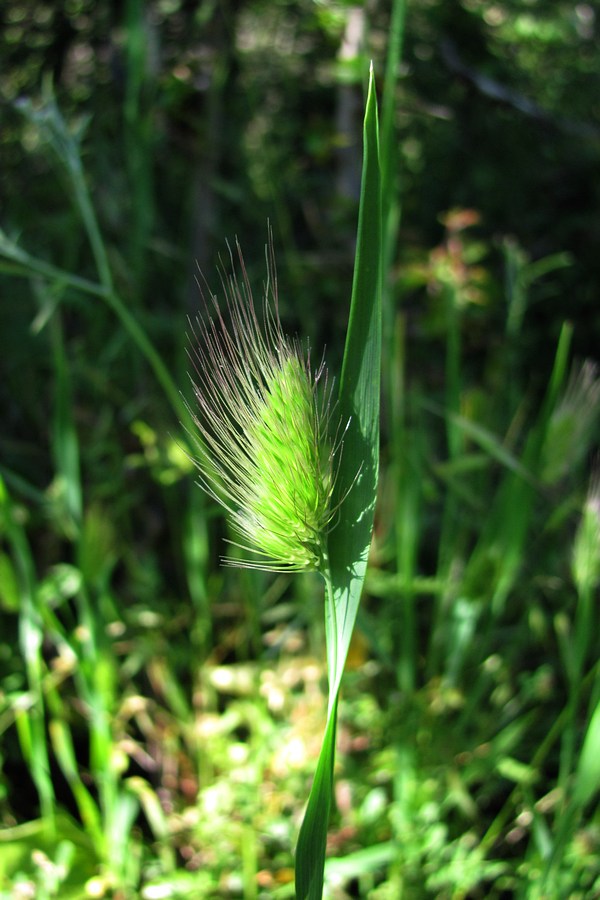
pixel 160 715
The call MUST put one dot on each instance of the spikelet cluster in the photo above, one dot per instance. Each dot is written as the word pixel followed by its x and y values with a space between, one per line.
pixel 263 416
pixel 585 563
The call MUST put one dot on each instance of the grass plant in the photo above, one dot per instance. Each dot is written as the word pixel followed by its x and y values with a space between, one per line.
pixel 300 490
pixel 161 715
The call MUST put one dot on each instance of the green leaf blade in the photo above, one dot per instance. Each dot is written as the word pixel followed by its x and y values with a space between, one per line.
pixel 355 492
pixel 312 840
pixel 359 401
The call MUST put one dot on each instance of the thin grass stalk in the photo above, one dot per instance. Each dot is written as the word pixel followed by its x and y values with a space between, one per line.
pixel 518 500
pixel 509 519
pixel 196 550
pixel 578 650
pixel 64 751
pixel 389 150
pixel 406 478
pixel 138 132
pixel 509 522
pixel 31 717
pixel 26 265
pixel 90 667
pixel 66 147
pixel 393 360
pixel 64 434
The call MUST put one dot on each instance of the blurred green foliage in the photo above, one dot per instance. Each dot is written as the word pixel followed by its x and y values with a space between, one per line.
pixel 160 717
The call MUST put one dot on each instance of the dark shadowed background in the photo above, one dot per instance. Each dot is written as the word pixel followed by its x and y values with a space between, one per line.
pixel 160 716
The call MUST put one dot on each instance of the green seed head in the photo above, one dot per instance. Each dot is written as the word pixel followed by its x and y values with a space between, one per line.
pixel 572 424
pixel 585 564
pixel 264 422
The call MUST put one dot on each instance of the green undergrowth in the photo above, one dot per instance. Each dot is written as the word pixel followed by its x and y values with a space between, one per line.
pixel 161 717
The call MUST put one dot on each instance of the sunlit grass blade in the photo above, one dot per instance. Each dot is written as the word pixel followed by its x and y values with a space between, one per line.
pixel 587 778
pixel 312 841
pixel 355 491
pixel 31 723
pixel 585 788
pixel 359 405
pixel 62 743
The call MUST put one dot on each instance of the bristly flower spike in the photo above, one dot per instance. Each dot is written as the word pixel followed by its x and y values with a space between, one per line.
pixel 266 450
